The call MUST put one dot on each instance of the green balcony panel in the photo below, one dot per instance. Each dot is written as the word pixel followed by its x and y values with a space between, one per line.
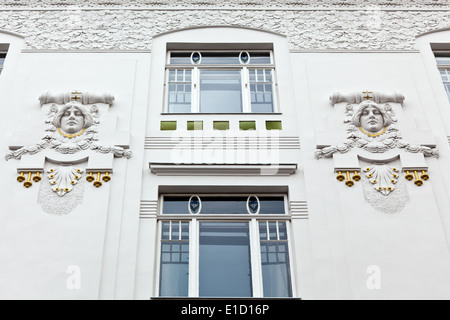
pixel 273 125
pixel 247 125
pixel 195 125
pixel 221 125
pixel 168 125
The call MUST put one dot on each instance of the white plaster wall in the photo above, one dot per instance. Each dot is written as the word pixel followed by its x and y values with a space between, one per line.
pixel 347 234
pixel 116 250
pixel 100 235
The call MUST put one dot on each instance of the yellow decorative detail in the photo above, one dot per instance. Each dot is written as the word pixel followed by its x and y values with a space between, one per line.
pixel 21 177
pixel 418 182
pixel 409 176
pixel 107 177
pixel 356 176
pixel 340 176
pixel 424 175
pixel 37 177
pixel 97 182
pixel 90 177
pixel 373 135
pixel 28 183
pixel 70 136
pixel 349 183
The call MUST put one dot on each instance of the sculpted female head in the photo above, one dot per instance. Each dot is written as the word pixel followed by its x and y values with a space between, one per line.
pixel 371 117
pixel 72 118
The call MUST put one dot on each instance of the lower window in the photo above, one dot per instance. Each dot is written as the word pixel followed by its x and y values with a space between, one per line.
pixel 201 258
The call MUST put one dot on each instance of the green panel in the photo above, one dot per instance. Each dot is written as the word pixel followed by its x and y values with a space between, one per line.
pixel 195 125
pixel 273 125
pixel 221 125
pixel 168 125
pixel 247 125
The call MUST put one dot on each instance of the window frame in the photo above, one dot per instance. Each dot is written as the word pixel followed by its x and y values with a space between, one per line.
pixel 444 67
pixel 5 53
pixel 253 219
pixel 245 81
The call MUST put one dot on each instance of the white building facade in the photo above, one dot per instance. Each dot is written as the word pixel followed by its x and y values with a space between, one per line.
pixel 190 149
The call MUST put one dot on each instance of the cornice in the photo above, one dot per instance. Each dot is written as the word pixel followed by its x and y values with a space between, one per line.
pixel 225 4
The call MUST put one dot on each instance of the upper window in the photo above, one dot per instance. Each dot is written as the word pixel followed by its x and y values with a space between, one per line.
pixel 220 82
pixel 443 62
pixel 2 60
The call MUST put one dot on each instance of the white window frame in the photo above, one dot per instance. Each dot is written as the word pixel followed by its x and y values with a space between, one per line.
pixel 2 52
pixel 245 80
pixel 254 236
pixel 446 68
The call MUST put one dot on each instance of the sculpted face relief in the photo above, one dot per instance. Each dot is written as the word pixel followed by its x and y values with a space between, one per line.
pixel 372 120
pixel 72 121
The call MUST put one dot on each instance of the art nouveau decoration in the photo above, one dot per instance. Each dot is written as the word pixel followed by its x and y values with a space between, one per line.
pixel 372 127
pixel 71 126
pixel 72 151
pixel 374 147
pixel 63 179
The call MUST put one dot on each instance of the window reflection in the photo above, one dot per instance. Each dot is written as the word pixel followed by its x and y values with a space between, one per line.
pixel 225 265
pixel 220 91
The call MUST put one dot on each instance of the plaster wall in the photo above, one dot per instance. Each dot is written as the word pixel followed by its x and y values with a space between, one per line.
pixel 114 245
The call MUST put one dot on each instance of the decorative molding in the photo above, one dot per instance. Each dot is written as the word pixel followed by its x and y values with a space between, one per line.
pixel 80 96
pixel 299 209
pixel 360 96
pixel 86 135
pixel 356 26
pixel 64 178
pixel 148 209
pixel 60 203
pixel 170 169
pixel 206 4
pixel 222 143
pixel 389 138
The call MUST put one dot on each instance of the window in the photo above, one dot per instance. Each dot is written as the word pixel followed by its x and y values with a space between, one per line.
pixel 2 60
pixel 443 62
pixel 224 246
pixel 220 82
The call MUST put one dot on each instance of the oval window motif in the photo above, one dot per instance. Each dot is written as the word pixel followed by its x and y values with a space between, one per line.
pixel 195 205
pixel 253 205
pixel 244 57
pixel 196 57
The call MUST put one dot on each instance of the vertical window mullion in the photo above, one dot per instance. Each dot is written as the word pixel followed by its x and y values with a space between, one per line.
pixel 195 103
pixel 255 246
pixel 246 104
pixel 194 243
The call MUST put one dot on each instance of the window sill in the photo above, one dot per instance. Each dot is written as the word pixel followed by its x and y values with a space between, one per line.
pixel 220 114
pixel 222 299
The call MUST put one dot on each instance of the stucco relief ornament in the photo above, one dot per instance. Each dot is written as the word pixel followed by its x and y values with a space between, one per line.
pixel 372 127
pixel 375 151
pixel 72 150
pixel 71 129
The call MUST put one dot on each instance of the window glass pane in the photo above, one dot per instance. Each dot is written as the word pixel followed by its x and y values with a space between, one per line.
pixel 180 57
pixel 275 259
pixel 275 269
pixel 179 91
pixel 174 268
pixel 224 205
pixel 272 205
pixel 220 91
pixel 176 205
pixel 443 60
pixel 225 267
pixel 220 58
pixel 260 58
pixel 261 90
